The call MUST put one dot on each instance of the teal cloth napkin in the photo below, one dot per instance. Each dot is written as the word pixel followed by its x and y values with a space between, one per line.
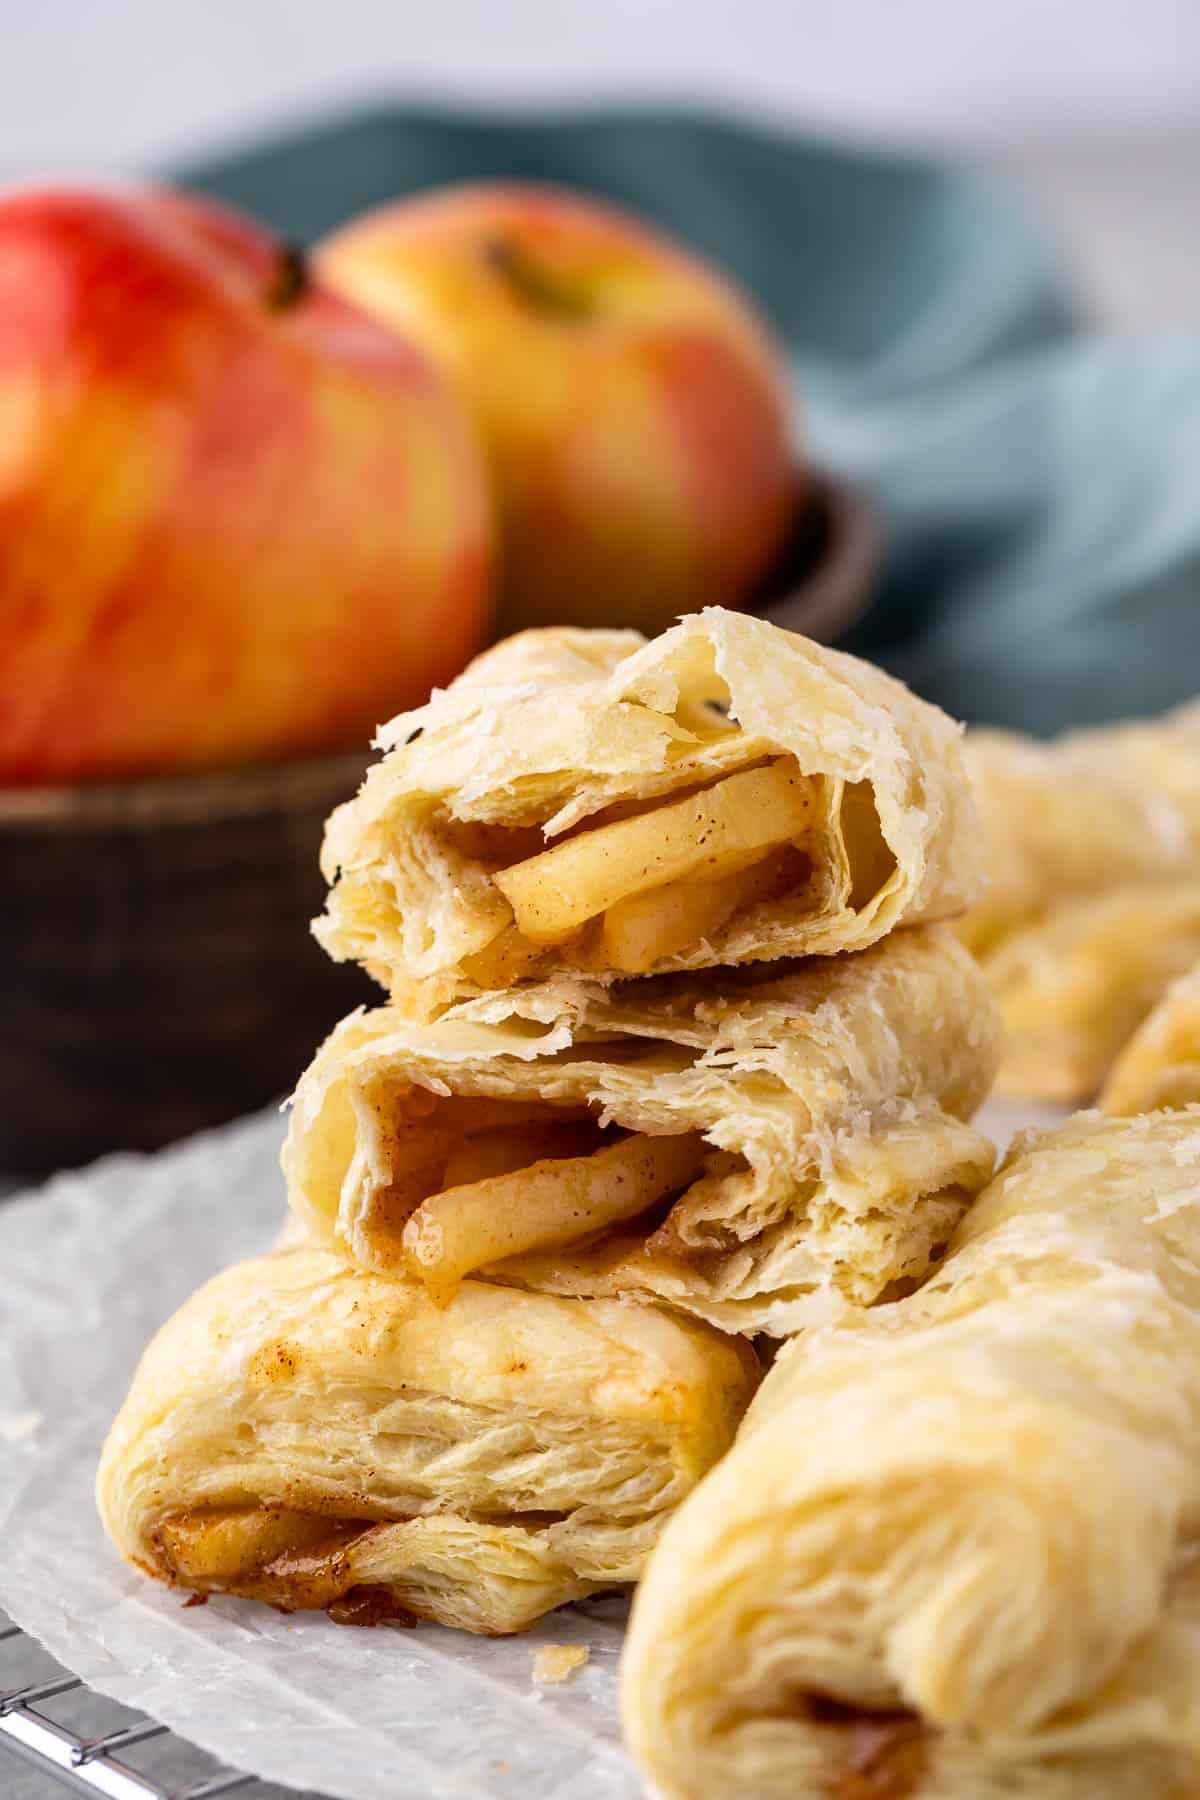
pixel 1039 491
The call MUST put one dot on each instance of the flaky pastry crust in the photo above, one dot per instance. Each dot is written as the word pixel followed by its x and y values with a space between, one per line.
pixel 953 1552
pixel 552 731
pixel 834 1096
pixel 311 1435
pixel 1160 1065
pixel 1075 985
pixel 1080 814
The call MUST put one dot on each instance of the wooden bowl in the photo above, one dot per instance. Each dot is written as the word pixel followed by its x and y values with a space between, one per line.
pixel 157 966
pixel 824 579
pixel 158 970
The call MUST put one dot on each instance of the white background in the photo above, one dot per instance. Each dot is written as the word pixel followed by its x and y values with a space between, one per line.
pixel 1093 106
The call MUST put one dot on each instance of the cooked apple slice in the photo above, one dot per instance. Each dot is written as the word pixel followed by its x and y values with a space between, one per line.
pixel 545 1205
pixel 705 833
pixel 640 931
pixel 419 1153
pixel 508 959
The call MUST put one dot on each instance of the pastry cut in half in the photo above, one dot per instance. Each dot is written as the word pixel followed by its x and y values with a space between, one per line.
pixel 586 802
pixel 953 1554
pixel 1075 985
pixel 766 1152
pixel 1160 1065
pixel 306 1434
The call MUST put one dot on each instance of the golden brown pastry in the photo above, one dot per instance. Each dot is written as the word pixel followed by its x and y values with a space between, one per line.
pixel 1074 985
pixel 953 1554
pixel 764 1152
pixel 583 801
pixel 1081 814
pixel 309 1435
pixel 1160 1065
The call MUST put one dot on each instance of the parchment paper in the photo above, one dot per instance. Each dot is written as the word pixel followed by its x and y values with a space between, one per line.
pixel 89 1268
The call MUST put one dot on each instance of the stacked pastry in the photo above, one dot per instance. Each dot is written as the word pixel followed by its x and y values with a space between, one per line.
pixel 674 1055
pixel 1094 903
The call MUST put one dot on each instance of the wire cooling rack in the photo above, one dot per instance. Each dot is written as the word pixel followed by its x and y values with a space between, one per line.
pixel 88 1745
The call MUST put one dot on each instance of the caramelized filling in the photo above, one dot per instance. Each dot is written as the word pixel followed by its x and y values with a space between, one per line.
pixel 886 1752
pixel 295 1561
pixel 291 1560
pixel 370 1604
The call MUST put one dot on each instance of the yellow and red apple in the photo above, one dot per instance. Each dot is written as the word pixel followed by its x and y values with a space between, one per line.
pixel 630 400
pixel 239 518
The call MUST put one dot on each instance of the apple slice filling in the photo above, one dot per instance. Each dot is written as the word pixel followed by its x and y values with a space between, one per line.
pixel 472 1182
pixel 296 1560
pixel 886 1753
pixel 665 877
pixel 289 1559
pixel 544 1204
pixel 640 931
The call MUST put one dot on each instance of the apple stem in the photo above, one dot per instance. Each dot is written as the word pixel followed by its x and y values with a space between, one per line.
pixel 291 279
pixel 537 286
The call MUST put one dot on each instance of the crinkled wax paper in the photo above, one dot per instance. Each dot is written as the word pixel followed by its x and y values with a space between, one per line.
pixel 89 1267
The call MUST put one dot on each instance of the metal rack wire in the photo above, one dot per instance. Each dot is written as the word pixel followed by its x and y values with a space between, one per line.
pixel 93 1761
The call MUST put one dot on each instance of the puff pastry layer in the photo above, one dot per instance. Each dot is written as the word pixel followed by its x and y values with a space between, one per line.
pixel 1081 814
pixel 803 802
pixel 1075 985
pixel 309 1435
pixel 812 1123
pixel 953 1552
pixel 1160 1065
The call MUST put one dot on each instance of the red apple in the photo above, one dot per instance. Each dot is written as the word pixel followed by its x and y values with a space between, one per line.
pixel 631 401
pixel 239 518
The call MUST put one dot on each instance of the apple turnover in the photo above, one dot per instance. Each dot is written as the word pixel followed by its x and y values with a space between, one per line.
pixel 586 802
pixel 765 1153
pixel 1075 985
pixel 306 1434
pixel 1160 1065
pixel 1083 813
pixel 954 1553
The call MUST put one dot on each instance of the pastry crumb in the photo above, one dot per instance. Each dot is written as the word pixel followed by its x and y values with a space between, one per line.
pixel 18 1428
pixel 554 1662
